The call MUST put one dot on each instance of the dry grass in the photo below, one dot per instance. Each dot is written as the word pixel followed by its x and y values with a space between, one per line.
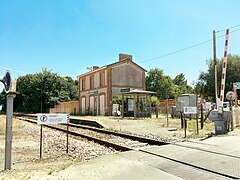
pixel 25 155
pixel 2 126
pixel 153 126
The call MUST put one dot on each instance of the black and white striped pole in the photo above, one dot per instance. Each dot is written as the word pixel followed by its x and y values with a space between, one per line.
pixel 10 88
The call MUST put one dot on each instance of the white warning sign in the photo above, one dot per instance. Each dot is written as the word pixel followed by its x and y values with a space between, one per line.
pixel 52 119
pixel 190 110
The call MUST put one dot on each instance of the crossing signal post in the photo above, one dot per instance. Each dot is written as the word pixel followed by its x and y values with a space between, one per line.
pixel 224 71
pixel 10 88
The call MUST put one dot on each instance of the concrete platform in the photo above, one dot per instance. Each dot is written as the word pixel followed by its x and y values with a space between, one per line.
pixel 213 158
pixel 86 122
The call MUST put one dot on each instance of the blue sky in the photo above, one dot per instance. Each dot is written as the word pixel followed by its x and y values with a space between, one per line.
pixel 68 36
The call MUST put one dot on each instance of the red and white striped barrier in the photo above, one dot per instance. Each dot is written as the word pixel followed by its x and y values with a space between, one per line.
pixel 224 68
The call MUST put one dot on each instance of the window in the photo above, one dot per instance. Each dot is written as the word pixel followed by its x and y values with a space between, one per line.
pixel 83 84
pixel 91 82
pixel 102 79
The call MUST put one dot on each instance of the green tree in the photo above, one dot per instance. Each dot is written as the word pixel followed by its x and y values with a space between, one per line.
pixel 35 91
pixel 180 80
pixel 155 101
pixel 205 85
pixel 163 85
pixel 181 86
pixel 117 100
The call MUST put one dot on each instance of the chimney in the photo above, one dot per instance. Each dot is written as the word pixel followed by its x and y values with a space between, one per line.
pixel 95 68
pixel 125 57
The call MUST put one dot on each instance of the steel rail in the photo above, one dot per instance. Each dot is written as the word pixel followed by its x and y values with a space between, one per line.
pixel 145 140
pixel 123 148
pixel 133 137
pixel 99 141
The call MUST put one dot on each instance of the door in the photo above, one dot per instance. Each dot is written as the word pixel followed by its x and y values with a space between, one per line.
pixel 83 105
pixel 91 104
pixel 102 105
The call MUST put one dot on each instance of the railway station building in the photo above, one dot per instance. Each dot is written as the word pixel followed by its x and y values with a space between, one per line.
pixel 98 86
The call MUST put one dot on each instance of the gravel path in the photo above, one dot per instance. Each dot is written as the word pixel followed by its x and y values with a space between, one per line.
pixel 25 152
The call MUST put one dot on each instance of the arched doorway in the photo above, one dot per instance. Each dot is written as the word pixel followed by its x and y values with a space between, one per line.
pixel 102 104
pixel 83 105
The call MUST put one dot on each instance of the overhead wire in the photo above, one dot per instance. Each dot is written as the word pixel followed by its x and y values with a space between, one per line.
pixel 189 65
pixel 164 55
pixel 228 28
pixel 6 68
pixel 189 47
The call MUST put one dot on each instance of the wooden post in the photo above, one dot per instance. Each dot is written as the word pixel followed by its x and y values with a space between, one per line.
pixel 138 112
pixel 236 97
pixel 135 111
pixel 67 135
pixel 181 116
pixel 185 127
pixel 231 117
pixel 167 112
pixel 202 123
pixel 122 106
pixel 68 121
pixel 97 96
pixel 215 64
pixel 150 106
pixel 41 142
pixel 197 122
pixel 156 111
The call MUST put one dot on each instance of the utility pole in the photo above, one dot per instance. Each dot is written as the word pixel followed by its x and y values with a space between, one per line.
pixel 215 64
pixel 97 102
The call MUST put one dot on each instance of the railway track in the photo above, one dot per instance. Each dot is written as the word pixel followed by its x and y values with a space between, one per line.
pixel 118 141
pixel 128 136
pixel 125 142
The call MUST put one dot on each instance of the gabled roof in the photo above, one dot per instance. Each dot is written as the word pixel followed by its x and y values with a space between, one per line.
pixel 127 61
pixel 90 72
pixel 139 91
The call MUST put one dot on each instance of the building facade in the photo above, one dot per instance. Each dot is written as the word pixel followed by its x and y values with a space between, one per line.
pixel 98 86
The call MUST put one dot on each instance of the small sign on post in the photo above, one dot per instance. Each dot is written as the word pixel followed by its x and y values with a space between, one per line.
pixel 236 85
pixel 190 110
pixel 46 119
pixel 52 119
pixel 68 121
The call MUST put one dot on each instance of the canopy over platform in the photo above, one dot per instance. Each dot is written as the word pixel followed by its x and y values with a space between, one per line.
pixel 139 91
pixel 137 103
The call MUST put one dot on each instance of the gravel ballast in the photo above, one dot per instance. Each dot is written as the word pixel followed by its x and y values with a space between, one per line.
pixel 26 162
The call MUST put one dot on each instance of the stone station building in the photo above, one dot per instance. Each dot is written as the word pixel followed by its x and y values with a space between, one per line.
pixel 100 85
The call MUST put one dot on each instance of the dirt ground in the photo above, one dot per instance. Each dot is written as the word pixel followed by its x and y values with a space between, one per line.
pixel 158 128
pixel 26 163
